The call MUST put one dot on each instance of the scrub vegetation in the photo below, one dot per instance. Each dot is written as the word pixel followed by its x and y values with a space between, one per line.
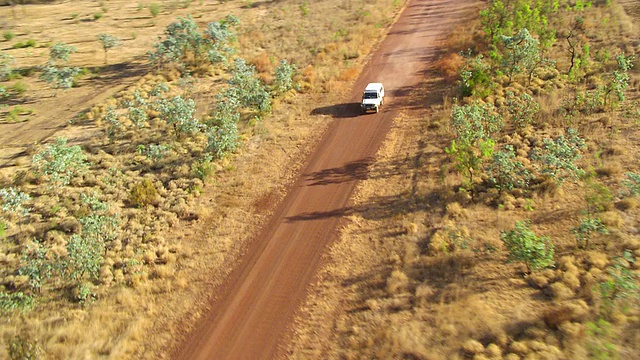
pixel 500 221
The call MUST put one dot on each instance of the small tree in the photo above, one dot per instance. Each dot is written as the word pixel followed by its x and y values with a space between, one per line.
pixel 588 226
pixel 54 72
pixel 522 109
pixel 108 42
pixel 59 163
pixel 222 139
pixel 284 77
pixel 522 54
pixel 246 87
pixel 524 245
pixel 179 113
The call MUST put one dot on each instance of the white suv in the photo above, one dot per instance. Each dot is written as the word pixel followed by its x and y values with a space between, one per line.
pixel 373 97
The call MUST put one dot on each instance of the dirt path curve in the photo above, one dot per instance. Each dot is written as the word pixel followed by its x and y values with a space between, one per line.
pixel 253 310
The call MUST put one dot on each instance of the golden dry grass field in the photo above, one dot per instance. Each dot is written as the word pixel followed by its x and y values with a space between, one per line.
pixel 181 222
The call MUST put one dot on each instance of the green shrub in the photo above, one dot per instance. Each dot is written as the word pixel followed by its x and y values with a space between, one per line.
pixel 154 9
pixel 203 168
pixel 10 302
pixel 59 163
pixel 524 245
pixel 8 35
pixel 143 193
pixel 19 88
pixel 98 16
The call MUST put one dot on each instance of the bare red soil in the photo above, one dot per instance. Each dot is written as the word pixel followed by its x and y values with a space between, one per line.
pixel 249 317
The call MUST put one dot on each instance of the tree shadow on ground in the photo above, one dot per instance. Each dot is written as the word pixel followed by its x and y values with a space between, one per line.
pixel 112 73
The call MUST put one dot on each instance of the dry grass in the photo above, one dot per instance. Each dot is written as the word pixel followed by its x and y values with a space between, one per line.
pixel 156 270
pixel 464 300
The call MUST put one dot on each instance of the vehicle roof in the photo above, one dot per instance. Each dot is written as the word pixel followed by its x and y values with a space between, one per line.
pixel 373 86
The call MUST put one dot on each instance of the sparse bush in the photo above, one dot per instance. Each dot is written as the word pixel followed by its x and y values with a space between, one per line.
pixel 10 302
pixel 59 163
pixel 620 285
pixel 522 109
pixel 397 282
pixel 154 9
pixel 506 172
pixel 153 151
pixel 98 16
pixel 143 193
pixel 24 347
pixel 557 158
pixel 203 168
pixel 587 228
pixel 523 54
pixel 6 63
pixel 222 139
pixel 524 245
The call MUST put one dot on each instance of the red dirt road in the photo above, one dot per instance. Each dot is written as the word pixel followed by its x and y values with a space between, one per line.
pixel 254 309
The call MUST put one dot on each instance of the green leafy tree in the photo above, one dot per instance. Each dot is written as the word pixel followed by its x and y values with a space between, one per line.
pixel 557 158
pixel 468 158
pixel 86 250
pixel 186 45
pixel 476 121
pixel 246 87
pixel 506 172
pixel 222 139
pixel 222 134
pixel 108 42
pixel 60 77
pixel 524 245
pixel 284 77
pixel 179 113
pixel 221 36
pixel 522 54
pixel 38 265
pixel 522 109
pixel 59 163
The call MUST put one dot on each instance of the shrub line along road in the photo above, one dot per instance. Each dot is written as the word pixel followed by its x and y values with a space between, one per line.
pixel 253 310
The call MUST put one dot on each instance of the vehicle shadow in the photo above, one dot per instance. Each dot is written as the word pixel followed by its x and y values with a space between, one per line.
pixel 345 110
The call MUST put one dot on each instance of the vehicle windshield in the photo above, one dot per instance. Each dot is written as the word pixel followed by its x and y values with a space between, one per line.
pixel 370 95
